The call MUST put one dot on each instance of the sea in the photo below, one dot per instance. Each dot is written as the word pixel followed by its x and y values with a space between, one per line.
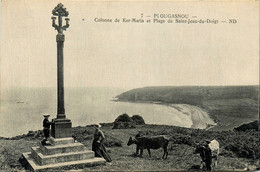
pixel 22 109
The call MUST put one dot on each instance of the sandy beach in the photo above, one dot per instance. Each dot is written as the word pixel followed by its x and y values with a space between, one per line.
pixel 199 117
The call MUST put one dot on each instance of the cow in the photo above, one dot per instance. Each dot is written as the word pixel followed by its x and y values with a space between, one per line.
pixel 208 153
pixel 150 142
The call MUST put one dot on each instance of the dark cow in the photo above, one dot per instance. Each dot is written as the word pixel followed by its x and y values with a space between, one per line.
pixel 152 142
pixel 208 153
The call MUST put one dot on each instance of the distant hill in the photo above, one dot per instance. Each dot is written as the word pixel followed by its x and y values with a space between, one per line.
pixel 230 106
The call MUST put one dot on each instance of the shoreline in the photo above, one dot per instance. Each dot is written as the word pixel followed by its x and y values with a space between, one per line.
pixel 192 108
pixel 207 127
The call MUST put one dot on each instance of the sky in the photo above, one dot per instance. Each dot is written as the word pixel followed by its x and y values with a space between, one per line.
pixel 130 55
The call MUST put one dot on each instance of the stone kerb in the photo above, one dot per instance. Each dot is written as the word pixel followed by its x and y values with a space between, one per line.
pixel 64 148
pixel 61 141
pixel 59 158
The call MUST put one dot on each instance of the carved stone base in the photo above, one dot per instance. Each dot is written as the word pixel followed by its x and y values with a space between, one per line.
pixel 61 128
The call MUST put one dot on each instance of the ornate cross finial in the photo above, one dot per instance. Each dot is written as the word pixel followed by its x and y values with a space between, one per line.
pixel 60 11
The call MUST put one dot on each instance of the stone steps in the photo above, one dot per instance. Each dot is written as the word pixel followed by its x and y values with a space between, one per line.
pixel 61 141
pixel 34 166
pixel 61 153
pixel 61 157
pixel 63 148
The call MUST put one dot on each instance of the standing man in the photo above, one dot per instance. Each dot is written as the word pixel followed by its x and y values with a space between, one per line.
pixel 137 147
pixel 208 156
pixel 46 129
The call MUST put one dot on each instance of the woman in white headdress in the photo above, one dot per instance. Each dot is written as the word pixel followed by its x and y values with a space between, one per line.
pixel 97 144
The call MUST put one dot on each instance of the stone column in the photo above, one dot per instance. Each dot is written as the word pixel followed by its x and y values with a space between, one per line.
pixel 60 76
pixel 61 126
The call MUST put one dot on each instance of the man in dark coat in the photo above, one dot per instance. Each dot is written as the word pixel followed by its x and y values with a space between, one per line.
pixel 137 147
pixel 208 156
pixel 46 129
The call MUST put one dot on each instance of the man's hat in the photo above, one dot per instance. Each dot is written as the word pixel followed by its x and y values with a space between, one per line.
pixel 46 115
pixel 97 125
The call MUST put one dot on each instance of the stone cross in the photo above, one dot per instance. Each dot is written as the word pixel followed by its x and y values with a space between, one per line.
pixel 61 126
pixel 60 11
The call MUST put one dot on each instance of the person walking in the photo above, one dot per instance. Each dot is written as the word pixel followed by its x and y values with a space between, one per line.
pixel 98 144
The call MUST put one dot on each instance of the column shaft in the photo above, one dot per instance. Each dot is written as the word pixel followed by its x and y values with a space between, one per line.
pixel 60 77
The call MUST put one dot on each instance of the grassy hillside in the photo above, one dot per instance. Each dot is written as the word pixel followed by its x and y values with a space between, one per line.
pixel 238 150
pixel 229 106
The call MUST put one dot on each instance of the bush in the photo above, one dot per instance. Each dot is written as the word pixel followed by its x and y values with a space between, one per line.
pixel 123 125
pixel 123 118
pixel 250 126
pixel 123 121
pixel 182 139
pixel 112 142
pixel 244 150
pixel 82 134
pixel 138 120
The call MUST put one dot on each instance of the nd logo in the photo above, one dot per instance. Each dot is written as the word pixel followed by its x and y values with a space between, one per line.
pixel 233 21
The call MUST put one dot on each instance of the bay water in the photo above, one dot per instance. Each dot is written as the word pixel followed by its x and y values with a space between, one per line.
pixel 22 109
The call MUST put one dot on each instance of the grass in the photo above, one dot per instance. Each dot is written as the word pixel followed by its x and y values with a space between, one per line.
pixel 234 147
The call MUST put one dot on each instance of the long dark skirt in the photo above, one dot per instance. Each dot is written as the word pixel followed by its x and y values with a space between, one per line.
pixel 100 150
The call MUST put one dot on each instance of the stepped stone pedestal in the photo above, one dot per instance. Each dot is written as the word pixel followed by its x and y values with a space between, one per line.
pixel 63 152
